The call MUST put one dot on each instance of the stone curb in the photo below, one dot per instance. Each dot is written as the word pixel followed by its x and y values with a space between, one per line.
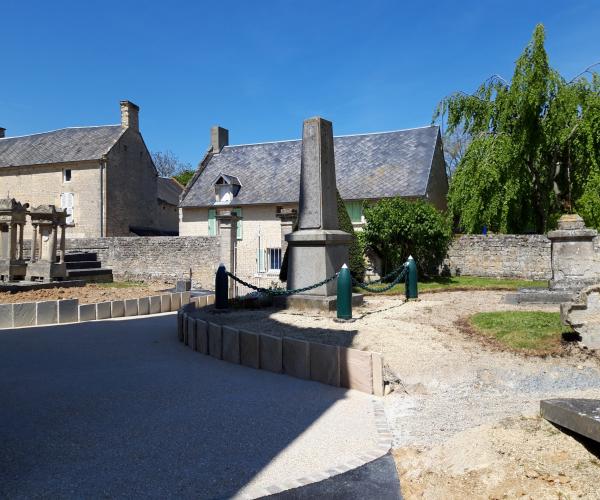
pixel 53 312
pixel 384 440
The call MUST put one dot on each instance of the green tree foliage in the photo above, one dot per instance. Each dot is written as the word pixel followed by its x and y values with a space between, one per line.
pixel 534 147
pixel 184 176
pixel 397 228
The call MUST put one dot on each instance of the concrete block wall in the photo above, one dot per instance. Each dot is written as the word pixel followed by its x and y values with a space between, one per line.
pixel 52 312
pixel 500 256
pixel 155 258
pixel 328 364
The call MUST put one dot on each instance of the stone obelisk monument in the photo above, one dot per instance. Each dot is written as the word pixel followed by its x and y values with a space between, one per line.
pixel 318 249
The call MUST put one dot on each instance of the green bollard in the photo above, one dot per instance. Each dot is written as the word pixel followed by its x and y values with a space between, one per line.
pixel 221 288
pixel 411 290
pixel 344 294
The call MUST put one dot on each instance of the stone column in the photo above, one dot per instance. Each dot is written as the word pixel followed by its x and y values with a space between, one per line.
pixel 575 263
pixel 21 230
pixel 34 243
pixel 53 244
pixel 62 244
pixel 12 241
pixel 227 221
pixel 287 216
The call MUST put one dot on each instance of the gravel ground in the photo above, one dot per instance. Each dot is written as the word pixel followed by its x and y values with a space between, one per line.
pixel 87 294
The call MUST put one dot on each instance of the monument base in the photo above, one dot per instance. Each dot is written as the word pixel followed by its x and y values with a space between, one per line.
pixel 46 270
pixel 539 296
pixel 317 304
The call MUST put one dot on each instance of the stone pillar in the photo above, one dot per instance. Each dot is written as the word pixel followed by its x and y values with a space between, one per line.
pixel 34 243
pixel 318 249
pixel 287 216
pixel 62 244
pixel 575 263
pixel 21 230
pixel 227 221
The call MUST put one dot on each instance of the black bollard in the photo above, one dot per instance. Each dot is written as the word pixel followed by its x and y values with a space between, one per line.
pixel 221 288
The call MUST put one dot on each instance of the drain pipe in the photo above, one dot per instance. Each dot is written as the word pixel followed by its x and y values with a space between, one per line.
pixel 103 162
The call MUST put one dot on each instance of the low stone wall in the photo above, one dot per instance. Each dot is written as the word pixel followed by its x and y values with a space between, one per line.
pixel 52 312
pixel 500 256
pixel 155 258
pixel 328 364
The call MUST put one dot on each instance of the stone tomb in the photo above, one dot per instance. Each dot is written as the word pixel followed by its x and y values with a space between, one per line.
pixel 581 416
pixel 12 222
pixel 45 245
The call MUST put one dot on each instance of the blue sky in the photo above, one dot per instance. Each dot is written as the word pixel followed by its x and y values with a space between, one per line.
pixel 259 68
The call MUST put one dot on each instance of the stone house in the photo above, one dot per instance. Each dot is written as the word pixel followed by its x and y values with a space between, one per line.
pixel 168 193
pixel 103 175
pixel 261 183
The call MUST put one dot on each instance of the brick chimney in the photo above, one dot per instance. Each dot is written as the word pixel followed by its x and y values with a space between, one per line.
pixel 2 131
pixel 129 115
pixel 219 138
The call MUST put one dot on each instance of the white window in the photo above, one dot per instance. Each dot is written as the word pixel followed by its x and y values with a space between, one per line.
pixel 67 200
pixel 274 259
pixel 67 175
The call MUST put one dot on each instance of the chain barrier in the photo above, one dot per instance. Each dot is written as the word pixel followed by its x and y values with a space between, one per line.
pixel 387 276
pixel 366 287
pixel 277 292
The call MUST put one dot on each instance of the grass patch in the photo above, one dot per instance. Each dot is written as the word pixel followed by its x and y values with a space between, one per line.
pixel 458 283
pixel 521 330
pixel 120 284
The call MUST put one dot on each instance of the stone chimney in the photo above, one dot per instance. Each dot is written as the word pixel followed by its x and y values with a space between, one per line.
pixel 2 131
pixel 219 138
pixel 129 115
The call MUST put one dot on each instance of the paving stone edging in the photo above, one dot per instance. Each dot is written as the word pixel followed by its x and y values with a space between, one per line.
pixel 384 445
pixel 328 364
pixel 53 312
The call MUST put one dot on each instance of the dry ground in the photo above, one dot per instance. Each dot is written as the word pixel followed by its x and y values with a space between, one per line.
pixel 463 412
pixel 87 294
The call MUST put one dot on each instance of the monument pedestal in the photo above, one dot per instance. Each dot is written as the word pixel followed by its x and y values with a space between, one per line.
pixel 315 304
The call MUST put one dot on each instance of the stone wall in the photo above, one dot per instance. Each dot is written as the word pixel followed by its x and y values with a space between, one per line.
pixel 500 256
pixel 155 258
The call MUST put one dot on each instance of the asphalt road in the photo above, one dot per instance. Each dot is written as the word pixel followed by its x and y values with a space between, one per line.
pixel 121 409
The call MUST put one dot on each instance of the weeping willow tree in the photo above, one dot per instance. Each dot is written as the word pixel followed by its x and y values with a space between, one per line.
pixel 534 147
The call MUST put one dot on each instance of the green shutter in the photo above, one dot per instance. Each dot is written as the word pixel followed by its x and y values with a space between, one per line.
pixel 212 222
pixel 240 232
pixel 354 209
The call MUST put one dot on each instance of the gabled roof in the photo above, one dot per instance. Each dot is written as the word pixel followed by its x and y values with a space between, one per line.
pixel 368 166
pixel 59 146
pixel 168 190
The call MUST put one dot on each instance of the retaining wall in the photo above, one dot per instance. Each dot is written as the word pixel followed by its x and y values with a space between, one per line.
pixel 328 364
pixel 500 256
pixel 156 257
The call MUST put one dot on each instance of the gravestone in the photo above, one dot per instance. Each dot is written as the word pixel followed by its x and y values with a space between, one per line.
pixel 581 416
pixel 318 249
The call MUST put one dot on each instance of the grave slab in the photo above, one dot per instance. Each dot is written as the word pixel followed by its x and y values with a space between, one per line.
pixel 165 303
pixel 325 364
pixel 24 314
pixel 581 416
pixel 117 309
pixel 271 350
pixel 190 339
pixel 68 311
pixel 200 301
pixel 356 370
pixel 131 307
pixel 231 344
pixel 103 310
pixel 296 358
pixel 377 360
pixel 87 312
pixel 155 304
pixel 175 301
pixel 249 349
pixel 47 312
pixel 215 340
pixel 210 300
pixel 185 298
pixel 143 306
pixel 201 336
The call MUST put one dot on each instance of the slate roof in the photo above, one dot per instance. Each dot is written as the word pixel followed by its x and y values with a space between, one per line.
pixel 59 146
pixel 368 166
pixel 168 190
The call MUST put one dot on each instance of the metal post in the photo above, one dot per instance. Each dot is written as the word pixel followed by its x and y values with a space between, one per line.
pixel 344 294
pixel 221 288
pixel 411 288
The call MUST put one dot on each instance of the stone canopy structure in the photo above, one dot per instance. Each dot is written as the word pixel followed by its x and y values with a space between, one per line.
pixel 12 224
pixel 46 221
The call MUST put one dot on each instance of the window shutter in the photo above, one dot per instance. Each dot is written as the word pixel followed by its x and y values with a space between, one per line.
pixel 240 233
pixel 212 222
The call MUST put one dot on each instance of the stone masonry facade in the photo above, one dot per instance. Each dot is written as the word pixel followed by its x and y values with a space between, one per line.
pixel 500 256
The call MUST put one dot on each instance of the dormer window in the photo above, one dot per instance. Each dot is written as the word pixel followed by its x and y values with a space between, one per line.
pixel 227 188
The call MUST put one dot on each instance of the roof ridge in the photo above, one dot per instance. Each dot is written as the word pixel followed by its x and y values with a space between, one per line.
pixel 335 136
pixel 58 130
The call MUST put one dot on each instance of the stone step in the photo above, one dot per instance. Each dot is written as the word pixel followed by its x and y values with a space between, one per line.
pixel 101 275
pixel 581 416
pixel 84 264
pixel 81 256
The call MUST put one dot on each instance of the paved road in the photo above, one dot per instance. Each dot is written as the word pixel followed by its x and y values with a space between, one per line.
pixel 121 409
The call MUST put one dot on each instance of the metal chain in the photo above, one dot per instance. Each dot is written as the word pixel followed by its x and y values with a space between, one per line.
pixel 275 292
pixel 364 286
pixel 386 277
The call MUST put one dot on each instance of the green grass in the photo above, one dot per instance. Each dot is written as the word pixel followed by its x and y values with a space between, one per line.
pixel 120 284
pixel 521 330
pixel 465 283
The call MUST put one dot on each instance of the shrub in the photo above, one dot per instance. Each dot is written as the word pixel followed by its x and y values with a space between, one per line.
pixel 397 228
